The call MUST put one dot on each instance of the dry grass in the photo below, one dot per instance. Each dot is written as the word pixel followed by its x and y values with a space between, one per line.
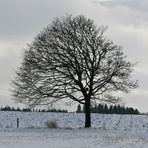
pixel 51 124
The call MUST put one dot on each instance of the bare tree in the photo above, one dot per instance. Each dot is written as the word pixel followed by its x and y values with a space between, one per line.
pixel 72 59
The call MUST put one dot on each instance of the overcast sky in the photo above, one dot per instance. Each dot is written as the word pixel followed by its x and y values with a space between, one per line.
pixel 127 21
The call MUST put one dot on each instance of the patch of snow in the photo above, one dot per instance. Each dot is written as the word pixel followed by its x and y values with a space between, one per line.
pixel 74 138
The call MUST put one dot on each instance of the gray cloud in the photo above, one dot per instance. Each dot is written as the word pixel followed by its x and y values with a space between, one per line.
pixel 25 18
pixel 128 27
pixel 139 5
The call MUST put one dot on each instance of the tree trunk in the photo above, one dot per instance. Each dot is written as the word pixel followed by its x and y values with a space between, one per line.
pixel 87 113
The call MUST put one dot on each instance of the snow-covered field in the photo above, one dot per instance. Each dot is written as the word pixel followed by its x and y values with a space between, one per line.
pixel 74 120
pixel 108 131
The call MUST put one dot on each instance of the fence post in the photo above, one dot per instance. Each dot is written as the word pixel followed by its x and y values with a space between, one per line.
pixel 17 122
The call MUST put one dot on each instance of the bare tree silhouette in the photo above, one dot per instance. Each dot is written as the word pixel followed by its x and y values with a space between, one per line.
pixel 72 59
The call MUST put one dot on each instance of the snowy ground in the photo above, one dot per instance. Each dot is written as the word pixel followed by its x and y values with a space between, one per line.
pixel 74 120
pixel 71 138
pixel 108 131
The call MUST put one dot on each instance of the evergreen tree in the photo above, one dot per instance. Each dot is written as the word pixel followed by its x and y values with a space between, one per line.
pixel 79 109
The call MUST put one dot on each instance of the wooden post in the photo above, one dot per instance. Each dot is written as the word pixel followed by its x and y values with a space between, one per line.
pixel 17 122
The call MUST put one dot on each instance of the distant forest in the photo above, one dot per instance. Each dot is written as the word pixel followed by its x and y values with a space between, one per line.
pixel 105 109
pixel 8 108
pixel 100 108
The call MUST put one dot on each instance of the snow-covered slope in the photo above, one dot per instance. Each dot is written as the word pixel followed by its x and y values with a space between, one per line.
pixel 73 120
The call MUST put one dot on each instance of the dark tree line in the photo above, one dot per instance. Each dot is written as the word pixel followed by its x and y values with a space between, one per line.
pixel 8 108
pixel 105 109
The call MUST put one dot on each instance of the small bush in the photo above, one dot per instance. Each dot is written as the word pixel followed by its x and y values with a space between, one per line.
pixel 31 126
pixel 51 124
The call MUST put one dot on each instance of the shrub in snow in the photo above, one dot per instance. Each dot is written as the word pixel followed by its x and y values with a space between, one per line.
pixel 31 126
pixel 51 124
